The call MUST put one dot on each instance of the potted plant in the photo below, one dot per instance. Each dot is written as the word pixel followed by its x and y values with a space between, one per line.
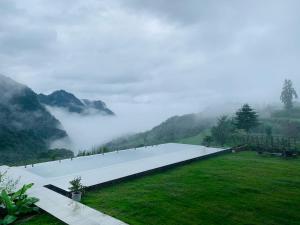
pixel 76 189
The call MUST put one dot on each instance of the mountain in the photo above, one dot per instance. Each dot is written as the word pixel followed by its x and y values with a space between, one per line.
pixel 71 103
pixel 62 99
pixel 172 130
pixel 98 106
pixel 26 127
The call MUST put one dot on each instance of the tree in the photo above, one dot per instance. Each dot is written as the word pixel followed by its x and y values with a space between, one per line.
pixel 207 140
pixel 287 94
pixel 246 118
pixel 222 131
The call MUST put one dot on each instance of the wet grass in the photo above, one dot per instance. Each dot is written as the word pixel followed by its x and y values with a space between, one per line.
pixel 241 188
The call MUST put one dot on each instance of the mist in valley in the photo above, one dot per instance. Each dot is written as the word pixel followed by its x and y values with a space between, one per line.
pixel 88 132
pixel 91 131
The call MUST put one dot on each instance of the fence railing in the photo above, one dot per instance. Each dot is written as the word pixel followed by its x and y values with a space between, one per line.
pixel 267 143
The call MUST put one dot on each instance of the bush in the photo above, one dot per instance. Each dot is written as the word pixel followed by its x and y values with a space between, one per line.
pixel 17 204
pixel 76 185
pixel 6 183
pixel 207 140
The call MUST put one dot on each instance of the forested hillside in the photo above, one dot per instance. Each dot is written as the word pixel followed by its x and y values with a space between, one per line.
pixel 172 130
pixel 26 127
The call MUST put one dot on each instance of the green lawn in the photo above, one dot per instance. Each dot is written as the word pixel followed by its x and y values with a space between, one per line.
pixel 41 219
pixel 241 188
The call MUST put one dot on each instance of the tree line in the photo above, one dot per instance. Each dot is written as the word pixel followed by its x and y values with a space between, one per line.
pixel 239 129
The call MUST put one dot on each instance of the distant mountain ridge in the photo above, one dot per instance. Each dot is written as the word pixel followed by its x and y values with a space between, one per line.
pixel 68 101
pixel 171 130
pixel 26 128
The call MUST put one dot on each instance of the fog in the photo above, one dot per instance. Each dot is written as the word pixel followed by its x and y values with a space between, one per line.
pixel 89 131
pixel 9 88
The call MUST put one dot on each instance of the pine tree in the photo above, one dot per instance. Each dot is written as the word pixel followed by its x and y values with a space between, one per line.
pixel 246 118
pixel 287 94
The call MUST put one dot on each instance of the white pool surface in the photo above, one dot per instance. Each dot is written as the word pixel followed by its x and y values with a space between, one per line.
pixel 102 168
pixel 84 163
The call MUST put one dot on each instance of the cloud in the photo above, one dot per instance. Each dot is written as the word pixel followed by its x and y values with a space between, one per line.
pixel 86 132
pixel 174 56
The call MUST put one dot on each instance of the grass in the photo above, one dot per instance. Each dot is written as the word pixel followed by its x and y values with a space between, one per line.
pixel 40 219
pixel 241 188
pixel 230 189
pixel 197 139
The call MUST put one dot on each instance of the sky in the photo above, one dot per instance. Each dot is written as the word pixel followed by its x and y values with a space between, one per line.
pixel 161 57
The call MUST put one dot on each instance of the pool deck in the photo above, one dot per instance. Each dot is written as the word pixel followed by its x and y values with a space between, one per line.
pixel 96 170
pixel 69 211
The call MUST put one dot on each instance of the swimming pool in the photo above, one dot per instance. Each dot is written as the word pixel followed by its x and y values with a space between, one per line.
pixel 84 163
pixel 108 167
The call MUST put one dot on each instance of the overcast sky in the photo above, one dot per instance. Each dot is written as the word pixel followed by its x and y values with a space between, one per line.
pixel 172 55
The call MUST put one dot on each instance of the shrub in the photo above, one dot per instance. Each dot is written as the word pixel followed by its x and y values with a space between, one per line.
pixel 16 204
pixel 76 185
pixel 7 183
pixel 207 140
